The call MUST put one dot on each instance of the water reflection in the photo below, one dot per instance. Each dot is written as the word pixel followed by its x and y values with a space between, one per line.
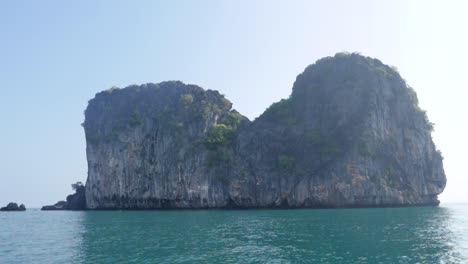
pixel 391 235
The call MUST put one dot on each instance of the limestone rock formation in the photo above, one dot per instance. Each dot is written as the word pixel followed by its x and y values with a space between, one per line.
pixel 60 205
pixel 13 207
pixel 76 201
pixel 350 135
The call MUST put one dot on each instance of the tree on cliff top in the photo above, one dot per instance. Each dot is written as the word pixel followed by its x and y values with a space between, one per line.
pixel 77 186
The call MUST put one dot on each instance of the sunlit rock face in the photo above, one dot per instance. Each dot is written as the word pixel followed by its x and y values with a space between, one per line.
pixel 350 135
pixel 147 147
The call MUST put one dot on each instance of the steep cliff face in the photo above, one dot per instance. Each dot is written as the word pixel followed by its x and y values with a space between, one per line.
pixel 350 134
pixel 149 147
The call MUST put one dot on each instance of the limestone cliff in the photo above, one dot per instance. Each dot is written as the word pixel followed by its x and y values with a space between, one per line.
pixel 148 147
pixel 350 134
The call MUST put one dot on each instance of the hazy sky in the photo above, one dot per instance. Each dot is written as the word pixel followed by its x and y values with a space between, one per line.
pixel 55 55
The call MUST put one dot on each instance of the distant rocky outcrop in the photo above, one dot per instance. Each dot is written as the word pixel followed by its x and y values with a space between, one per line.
pixel 60 205
pixel 13 207
pixel 76 201
pixel 350 135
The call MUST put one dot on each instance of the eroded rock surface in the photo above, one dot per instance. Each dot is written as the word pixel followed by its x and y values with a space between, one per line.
pixel 351 134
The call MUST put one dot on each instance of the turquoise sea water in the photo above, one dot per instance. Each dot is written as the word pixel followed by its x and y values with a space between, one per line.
pixel 388 235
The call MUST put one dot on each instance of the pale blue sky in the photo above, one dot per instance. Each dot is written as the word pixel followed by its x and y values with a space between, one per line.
pixel 55 55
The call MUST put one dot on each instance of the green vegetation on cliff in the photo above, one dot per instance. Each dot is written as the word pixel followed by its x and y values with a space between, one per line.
pixel 350 134
pixel 220 138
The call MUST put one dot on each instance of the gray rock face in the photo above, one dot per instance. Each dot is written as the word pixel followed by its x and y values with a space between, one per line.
pixel 146 147
pixel 351 134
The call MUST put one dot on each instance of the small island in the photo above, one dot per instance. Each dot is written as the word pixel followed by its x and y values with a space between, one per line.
pixel 13 207
pixel 351 134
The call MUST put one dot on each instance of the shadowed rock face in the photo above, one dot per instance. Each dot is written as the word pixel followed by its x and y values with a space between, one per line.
pixel 76 201
pixel 13 207
pixel 351 134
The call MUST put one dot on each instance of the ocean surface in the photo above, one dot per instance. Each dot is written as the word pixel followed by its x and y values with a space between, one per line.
pixel 387 235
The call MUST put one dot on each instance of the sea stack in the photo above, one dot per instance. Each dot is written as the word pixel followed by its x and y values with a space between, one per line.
pixel 351 134
pixel 13 207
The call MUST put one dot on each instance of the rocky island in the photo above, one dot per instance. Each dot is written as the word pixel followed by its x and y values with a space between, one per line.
pixel 351 134
pixel 13 207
